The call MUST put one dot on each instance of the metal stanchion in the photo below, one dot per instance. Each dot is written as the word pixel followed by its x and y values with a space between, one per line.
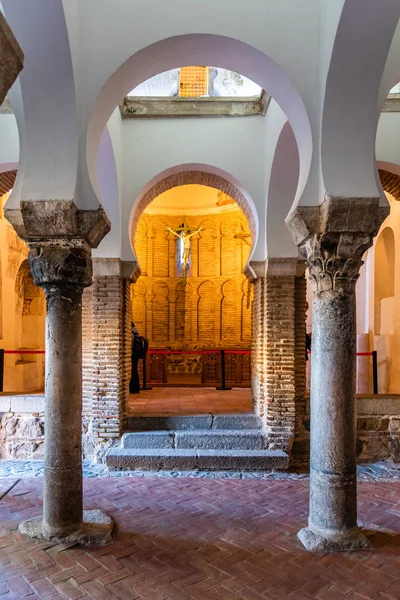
pixel 375 371
pixel 1 369
pixel 223 386
pixel 145 386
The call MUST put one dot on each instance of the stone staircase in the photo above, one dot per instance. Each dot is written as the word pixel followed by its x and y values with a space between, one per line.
pixel 201 442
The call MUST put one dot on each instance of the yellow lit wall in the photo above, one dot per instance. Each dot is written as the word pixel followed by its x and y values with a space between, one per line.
pixel 214 308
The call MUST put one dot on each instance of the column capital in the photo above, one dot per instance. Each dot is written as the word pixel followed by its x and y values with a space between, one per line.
pixel 60 238
pixel 333 237
pixel 57 265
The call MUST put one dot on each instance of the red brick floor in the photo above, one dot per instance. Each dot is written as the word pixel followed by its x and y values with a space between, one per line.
pixel 185 539
pixel 189 401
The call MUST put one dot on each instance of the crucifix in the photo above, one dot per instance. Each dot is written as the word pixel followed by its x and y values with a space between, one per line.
pixel 184 233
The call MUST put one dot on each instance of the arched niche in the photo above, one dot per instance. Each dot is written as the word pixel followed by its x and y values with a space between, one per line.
pixel 228 308
pixel 30 310
pixel 206 312
pixel 160 313
pixel 139 307
pixel 384 282
pixel 199 174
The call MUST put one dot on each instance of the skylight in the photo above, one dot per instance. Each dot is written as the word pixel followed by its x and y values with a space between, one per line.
pixel 395 89
pixel 198 82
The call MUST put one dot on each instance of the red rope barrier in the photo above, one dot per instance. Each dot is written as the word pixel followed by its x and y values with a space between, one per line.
pixel 24 351
pixel 178 352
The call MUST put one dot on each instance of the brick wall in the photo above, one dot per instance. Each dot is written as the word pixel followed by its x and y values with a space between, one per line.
pixel 106 364
pixel 278 364
pixel 87 351
pixel 213 309
pixel 300 362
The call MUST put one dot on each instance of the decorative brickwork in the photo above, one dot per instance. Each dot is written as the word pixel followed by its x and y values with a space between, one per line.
pixel 214 308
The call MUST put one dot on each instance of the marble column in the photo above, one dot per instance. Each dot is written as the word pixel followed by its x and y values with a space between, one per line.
pixel 333 238
pixel 60 239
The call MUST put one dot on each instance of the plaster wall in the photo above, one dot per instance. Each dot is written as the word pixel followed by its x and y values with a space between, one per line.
pixel 387 138
pixel 9 140
pixel 236 146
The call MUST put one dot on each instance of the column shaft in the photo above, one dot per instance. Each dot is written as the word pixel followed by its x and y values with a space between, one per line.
pixel 333 497
pixel 63 441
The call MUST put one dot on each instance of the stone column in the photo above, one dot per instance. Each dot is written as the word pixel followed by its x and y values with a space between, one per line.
pixel 60 239
pixel 333 238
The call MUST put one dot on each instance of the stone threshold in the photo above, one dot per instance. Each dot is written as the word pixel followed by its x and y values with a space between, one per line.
pixel 386 470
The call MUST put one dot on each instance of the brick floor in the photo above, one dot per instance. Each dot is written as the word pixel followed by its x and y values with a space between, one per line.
pixel 189 401
pixel 185 539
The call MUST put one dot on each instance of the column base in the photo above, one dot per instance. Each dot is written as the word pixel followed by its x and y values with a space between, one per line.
pixel 333 542
pixel 96 530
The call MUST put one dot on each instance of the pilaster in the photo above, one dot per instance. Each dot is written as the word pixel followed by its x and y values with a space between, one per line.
pixel 277 365
pixel 109 369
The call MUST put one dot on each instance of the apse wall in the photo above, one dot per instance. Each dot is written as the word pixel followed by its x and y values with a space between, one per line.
pixel 214 308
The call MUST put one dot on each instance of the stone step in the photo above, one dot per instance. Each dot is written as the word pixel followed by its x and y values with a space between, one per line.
pixel 218 439
pixel 131 459
pixel 171 423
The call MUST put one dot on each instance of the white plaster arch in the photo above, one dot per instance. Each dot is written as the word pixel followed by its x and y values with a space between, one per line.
pixel 196 49
pixel 110 246
pixel 49 131
pixel 282 174
pixel 192 174
pixel 9 139
pixel 349 119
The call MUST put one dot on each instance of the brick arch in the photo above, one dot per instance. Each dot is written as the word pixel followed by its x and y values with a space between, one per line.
pixel 390 183
pixel 7 180
pixel 209 179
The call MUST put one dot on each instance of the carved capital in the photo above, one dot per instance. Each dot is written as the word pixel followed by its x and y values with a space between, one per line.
pixel 61 265
pixel 60 238
pixel 333 237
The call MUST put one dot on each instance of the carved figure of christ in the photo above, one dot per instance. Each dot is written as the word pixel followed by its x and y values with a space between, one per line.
pixel 184 233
